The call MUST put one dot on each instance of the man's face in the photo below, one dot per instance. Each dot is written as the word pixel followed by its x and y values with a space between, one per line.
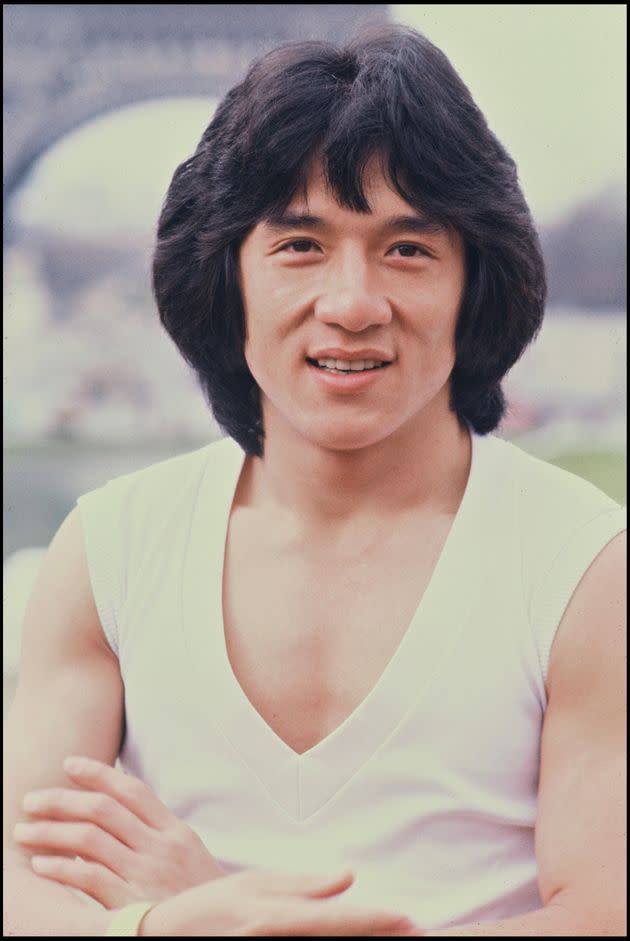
pixel 351 283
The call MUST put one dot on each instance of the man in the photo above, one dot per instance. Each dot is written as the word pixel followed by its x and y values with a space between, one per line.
pixel 362 658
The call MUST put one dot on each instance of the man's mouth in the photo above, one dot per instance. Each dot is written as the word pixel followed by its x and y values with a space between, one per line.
pixel 343 368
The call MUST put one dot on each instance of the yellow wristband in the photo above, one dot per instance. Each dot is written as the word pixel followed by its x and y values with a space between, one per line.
pixel 127 920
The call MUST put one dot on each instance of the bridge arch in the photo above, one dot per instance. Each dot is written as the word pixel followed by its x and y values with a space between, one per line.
pixel 68 63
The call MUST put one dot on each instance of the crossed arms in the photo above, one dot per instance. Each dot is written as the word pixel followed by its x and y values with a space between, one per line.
pixel 69 701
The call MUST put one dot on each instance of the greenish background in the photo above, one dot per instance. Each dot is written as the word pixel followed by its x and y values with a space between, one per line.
pixel 606 470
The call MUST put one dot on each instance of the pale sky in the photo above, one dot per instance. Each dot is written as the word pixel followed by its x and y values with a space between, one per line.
pixel 551 80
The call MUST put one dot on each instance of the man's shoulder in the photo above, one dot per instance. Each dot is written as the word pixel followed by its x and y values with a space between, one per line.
pixel 176 474
pixel 560 520
pixel 550 494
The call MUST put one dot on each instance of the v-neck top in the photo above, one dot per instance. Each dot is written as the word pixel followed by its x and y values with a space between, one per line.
pixel 427 790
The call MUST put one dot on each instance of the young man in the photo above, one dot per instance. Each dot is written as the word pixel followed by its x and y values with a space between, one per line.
pixel 361 633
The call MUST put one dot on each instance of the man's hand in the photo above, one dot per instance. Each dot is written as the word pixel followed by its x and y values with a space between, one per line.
pixel 272 904
pixel 131 846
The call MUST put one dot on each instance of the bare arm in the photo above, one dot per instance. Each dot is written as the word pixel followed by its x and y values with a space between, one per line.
pixel 580 836
pixel 69 700
pixel 581 826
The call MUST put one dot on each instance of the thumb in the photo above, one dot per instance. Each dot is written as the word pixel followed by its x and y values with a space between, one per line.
pixel 310 885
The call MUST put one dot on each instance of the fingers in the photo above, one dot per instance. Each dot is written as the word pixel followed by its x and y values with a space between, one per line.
pixel 340 919
pixel 310 885
pixel 335 918
pixel 83 839
pixel 64 804
pixel 407 929
pixel 95 880
pixel 317 913
pixel 129 791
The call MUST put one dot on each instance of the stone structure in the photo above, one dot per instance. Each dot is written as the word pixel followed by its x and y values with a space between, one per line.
pixel 67 63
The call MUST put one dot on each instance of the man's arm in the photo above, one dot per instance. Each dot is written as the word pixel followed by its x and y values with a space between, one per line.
pixel 581 824
pixel 69 700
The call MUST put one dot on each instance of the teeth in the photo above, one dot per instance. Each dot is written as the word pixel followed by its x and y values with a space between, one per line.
pixel 355 365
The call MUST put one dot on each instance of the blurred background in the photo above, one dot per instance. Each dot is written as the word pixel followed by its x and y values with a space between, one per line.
pixel 101 102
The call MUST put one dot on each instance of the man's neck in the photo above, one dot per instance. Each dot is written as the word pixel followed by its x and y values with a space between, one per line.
pixel 318 491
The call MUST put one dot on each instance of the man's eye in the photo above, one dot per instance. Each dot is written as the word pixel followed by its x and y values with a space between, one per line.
pixel 408 249
pixel 297 242
pixel 414 248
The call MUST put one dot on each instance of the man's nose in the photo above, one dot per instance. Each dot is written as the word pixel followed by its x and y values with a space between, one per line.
pixel 352 298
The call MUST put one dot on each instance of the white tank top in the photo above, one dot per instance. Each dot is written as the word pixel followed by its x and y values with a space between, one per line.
pixel 427 791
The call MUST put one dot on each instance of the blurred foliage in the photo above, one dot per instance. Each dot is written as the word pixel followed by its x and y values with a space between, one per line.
pixel 607 470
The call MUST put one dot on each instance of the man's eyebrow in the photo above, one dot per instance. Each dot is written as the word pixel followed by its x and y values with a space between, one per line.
pixel 395 224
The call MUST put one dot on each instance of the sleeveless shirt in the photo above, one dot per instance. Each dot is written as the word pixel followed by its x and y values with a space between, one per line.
pixel 428 790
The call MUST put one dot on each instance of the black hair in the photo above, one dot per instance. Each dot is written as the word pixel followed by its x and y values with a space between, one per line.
pixel 388 91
